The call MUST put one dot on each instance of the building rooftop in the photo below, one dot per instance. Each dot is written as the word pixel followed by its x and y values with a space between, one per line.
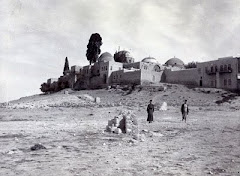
pixel 123 57
pixel 105 57
pixel 175 62
pixel 150 60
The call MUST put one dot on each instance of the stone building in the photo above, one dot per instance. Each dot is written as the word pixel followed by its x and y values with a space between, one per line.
pixel 108 71
pixel 222 73
pixel 122 70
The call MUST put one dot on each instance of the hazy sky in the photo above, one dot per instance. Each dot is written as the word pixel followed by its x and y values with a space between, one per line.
pixel 37 35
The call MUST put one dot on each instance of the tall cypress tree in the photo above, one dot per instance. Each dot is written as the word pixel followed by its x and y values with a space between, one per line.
pixel 66 66
pixel 93 48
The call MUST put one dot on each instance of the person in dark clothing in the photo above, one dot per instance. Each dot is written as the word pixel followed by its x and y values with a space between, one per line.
pixel 184 110
pixel 150 110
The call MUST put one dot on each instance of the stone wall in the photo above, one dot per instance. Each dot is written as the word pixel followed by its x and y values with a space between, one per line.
pixel 136 65
pixel 148 76
pixel 96 82
pixel 131 77
pixel 186 77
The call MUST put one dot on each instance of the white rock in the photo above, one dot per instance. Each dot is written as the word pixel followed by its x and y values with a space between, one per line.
pixel 97 100
pixel 142 137
pixel 155 134
pixel 118 131
pixel 128 130
pixel 11 152
pixel 164 107
pixel 113 129
pixel 210 172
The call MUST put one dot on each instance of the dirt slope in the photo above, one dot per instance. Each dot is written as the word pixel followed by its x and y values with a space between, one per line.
pixel 71 127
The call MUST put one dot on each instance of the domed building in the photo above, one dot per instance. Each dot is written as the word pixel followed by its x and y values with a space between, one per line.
pixel 105 57
pixel 150 60
pixel 123 57
pixel 175 62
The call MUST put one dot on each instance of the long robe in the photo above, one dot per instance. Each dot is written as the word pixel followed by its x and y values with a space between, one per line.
pixel 150 110
pixel 184 110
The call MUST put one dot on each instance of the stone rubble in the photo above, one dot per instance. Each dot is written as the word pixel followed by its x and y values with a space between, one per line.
pixel 37 147
pixel 125 122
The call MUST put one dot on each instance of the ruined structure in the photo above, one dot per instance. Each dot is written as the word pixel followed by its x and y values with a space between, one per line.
pixel 122 70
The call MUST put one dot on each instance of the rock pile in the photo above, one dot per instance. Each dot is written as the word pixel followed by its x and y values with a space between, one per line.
pixel 125 122
pixel 113 125
pixel 37 147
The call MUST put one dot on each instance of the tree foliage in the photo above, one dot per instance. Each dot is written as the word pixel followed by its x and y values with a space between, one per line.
pixel 66 66
pixel 93 48
pixel 191 65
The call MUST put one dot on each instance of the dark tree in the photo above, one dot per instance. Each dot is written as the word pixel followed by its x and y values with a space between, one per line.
pixel 93 48
pixel 66 66
pixel 191 65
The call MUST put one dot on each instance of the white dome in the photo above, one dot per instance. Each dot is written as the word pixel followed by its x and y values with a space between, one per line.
pixel 105 57
pixel 150 60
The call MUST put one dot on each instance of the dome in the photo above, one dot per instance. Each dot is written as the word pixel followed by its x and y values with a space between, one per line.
pixel 150 60
pixel 123 57
pixel 105 57
pixel 175 62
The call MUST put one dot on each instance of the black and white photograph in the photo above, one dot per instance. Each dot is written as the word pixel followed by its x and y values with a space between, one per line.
pixel 119 87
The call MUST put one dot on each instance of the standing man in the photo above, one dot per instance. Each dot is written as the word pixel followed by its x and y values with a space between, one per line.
pixel 184 110
pixel 150 110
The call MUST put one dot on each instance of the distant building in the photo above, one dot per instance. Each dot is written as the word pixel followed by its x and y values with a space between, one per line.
pixel 223 73
pixel 122 70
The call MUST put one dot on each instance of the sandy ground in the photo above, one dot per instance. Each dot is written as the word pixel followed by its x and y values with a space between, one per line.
pixel 76 144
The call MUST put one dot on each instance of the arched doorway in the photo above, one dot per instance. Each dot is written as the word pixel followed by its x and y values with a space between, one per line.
pixel 105 79
pixel 200 83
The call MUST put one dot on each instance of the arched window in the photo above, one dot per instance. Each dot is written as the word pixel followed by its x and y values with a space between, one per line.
pixel 157 68
pixel 225 67
pixel 229 67
pixel 221 68
pixel 211 68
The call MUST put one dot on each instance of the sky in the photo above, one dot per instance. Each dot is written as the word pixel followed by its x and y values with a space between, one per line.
pixel 37 35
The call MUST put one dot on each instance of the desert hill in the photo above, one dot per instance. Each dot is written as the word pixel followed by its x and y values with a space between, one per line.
pixel 69 126
pixel 173 95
